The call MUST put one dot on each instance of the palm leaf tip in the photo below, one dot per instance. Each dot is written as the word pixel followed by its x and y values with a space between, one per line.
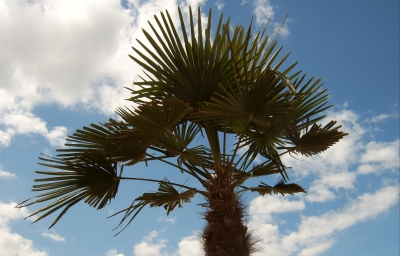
pixel 90 177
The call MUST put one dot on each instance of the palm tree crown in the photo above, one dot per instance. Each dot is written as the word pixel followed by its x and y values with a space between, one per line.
pixel 228 85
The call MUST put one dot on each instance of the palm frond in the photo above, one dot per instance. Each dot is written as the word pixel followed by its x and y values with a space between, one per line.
pixel 310 102
pixel 110 138
pixel 166 196
pixel 91 178
pixel 188 70
pixel 151 120
pixel 279 188
pixel 316 140
pixel 265 169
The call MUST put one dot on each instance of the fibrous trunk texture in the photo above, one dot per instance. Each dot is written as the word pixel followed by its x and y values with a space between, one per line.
pixel 225 233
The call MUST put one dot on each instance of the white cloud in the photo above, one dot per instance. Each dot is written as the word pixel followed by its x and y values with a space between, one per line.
pixel 5 138
pixel 170 220
pixel 379 157
pixel 384 153
pixel 319 193
pixel 150 246
pixel 263 11
pixel 319 190
pixel 11 243
pixel 57 136
pixel 316 249
pixel 53 236
pixel 16 122
pixel 77 56
pixel 190 245
pixel 276 204
pixel 316 233
pixel 381 118
pixel 6 175
pixel 333 170
pixel 72 45
pixel 265 14
pixel 220 5
pixel 113 252
pixel 282 29
pixel 346 151
pixel 339 180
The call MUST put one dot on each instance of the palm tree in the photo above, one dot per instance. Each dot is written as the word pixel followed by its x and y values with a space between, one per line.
pixel 229 87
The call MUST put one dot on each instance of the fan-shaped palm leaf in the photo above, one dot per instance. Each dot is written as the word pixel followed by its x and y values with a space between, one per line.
pixel 188 71
pixel 91 178
pixel 107 138
pixel 315 140
pixel 151 120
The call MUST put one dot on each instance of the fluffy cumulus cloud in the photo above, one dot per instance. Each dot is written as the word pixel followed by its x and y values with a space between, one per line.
pixel 379 156
pixel 315 234
pixel 150 246
pixel 190 245
pixel 11 243
pixel 77 56
pixel 316 231
pixel 16 122
pixel 258 211
pixel 70 53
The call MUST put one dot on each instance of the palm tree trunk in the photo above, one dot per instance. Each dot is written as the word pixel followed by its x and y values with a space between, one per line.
pixel 225 233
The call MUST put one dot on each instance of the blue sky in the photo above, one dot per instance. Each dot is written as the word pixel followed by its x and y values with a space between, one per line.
pixel 64 64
